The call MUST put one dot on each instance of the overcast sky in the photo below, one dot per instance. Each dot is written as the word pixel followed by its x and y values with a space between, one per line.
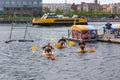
pixel 79 1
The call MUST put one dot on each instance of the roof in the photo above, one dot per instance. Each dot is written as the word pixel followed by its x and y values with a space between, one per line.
pixel 83 27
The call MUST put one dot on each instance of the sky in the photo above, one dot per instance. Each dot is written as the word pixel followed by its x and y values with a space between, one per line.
pixel 79 1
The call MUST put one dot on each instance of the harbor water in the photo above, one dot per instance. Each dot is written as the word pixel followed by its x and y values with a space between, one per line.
pixel 19 62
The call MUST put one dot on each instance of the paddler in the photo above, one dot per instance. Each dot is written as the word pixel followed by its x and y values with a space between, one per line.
pixel 48 48
pixel 82 44
pixel 62 41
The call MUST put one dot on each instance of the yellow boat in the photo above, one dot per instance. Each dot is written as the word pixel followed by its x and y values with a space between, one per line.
pixel 59 46
pixel 50 19
pixel 51 55
pixel 82 51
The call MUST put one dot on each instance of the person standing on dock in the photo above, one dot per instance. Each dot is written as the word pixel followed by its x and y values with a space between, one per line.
pixel 108 29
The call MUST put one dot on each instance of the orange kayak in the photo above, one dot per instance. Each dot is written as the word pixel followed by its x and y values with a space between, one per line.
pixel 59 46
pixel 51 55
pixel 82 51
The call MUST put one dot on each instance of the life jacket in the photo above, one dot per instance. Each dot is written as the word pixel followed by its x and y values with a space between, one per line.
pixel 48 47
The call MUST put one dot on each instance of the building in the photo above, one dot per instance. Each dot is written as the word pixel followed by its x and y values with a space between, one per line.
pixel 32 7
pixel 90 6
pixel 105 7
pixel 113 8
pixel 74 6
pixel 62 6
pixel 118 8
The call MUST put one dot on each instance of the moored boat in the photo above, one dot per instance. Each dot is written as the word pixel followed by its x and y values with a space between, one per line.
pixel 50 19
pixel 85 32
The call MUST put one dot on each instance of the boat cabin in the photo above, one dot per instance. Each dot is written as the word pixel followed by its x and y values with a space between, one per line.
pixel 85 32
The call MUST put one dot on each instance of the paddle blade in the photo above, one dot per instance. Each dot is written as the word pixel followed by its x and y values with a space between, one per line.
pixel 72 43
pixel 91 50
pixel 34 47
pixel 52 39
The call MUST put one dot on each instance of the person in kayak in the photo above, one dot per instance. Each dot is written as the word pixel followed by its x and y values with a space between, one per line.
pixel 48 48
pixel 82 44
pixel 62 41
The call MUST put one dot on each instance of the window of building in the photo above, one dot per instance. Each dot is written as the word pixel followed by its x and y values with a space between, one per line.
pixel 34 2
pixel 30 3
pixel 24 3
pixel 7 2
pixel 18 2
pixel 40 2
pixel 13 2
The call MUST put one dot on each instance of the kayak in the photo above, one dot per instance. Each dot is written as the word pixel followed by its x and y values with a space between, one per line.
pixel 82 51
pixel 51 55
pixel 59 46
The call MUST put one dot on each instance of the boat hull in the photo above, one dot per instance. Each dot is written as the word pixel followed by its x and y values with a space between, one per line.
pixel 57 24
pixel 59 21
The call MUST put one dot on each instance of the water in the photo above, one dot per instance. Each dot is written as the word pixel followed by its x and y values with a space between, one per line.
pixel 18 62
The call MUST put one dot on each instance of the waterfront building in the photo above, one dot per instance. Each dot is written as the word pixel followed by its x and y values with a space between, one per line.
pixel 90 6
pixel 53 6
pixel 74 6
pixel 113 8
pixel 32 7
pixel 105 7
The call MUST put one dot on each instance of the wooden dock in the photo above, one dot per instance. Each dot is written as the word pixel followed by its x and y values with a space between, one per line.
pixel 111 40
pixel 115 40
pixel 104 39
pixel 86 40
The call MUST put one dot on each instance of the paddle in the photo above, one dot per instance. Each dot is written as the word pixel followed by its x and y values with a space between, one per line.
pixel 34 48
pixel 72 43
pixel 52 39
pixel 91 50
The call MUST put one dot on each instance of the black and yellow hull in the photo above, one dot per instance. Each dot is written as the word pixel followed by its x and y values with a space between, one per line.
pixel 59 21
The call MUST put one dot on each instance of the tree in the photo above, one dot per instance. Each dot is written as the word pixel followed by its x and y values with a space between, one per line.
pixel 58 11
pixel 70 12
pixel 46 10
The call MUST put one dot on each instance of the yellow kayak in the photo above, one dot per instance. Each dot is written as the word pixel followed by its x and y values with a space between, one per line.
pixel 59 46
pixel 51 55
pixel 82 51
